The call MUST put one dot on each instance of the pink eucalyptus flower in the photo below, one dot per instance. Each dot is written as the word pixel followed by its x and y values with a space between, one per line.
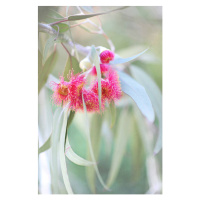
pixel 106 56
pixel 60 91
pixel 110 87
pixel 76 85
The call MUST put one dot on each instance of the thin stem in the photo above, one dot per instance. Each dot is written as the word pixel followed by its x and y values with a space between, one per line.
pixel 53 23
pixel 70 57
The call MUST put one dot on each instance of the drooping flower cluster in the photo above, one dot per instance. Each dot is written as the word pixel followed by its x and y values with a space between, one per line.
pixel 71 92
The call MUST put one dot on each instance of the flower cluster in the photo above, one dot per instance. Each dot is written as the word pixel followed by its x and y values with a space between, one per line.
pixel 71 92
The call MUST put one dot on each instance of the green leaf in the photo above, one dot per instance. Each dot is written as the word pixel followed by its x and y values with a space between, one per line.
pixel 119 60
pixel 113 113
pixel 87 8
pixel 50 42
pixel 95 59
pixel 57 123
pixel 120 146
pixel 72 156
pixel 72 63
pixel 155 96
pixel 62 27
pixel 79 17
pixel 45 146
pixel 90 146
pixel 95 129
pixel 46 70
pixel 138 94
pixel 62 154
pixel 39 62
pixel 52 16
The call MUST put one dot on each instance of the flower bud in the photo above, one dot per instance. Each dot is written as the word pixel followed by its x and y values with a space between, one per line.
pixel 85 64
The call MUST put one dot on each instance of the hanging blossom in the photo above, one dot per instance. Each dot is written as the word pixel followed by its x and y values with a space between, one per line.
pixel 71 92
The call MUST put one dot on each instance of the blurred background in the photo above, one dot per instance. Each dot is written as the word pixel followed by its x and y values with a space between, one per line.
pixel 125 152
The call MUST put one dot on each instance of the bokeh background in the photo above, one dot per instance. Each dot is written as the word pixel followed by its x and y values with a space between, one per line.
pixel 127 147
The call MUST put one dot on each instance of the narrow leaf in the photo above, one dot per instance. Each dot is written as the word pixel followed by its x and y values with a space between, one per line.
pixel 45 146
pixel 46 70
pixel 155 96
pixel 90 146
pixel 62 27
pixel 138 94
pixel 113 113
pixel 79 17
pixel 57 123
pixel 62 155
pixel 119 60
pixel 50 42
pixel 95 59
pixel 120 146
pixel 52 16
pixel 95 129
pixel 72 64
pixel 72 156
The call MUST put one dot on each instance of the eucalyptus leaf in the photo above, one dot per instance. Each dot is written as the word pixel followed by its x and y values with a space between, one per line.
pixel 95 129
pixel 46 70
pixel 62 154
pixel 119 60
pixel 72 63
pixel 90 145
pixel 95 59
pixel 72 156
pixel 52 16
pixel 155 96
pixel 62 27
pixel 45 146
pixel 113 113
pixel 138 94
pixel 123 133
pixel 49 43
pixel 57 123
pixel 79 17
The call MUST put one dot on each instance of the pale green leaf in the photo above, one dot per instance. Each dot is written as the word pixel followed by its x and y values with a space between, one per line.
pixel 96 62
pixel 62 27
pixel 119 60
pixel 90 146
pixel 138 94
pixel 72 63
pixel 79 17
pixel 155 96
pixel 72 156
pixel 62 154
pixel 123 132
pixel 95 129
pixel 46 70
pixel 45 146
pixel 113 113
pixel 57 123
pixel 49 43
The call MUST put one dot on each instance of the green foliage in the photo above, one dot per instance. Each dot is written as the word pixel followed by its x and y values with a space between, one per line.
pixel 138 94
pixel 95 130
pixel 79 17
pixel 120 146
pixel 72 64
pixel 119 60
pixel 155 96
pixel 45 146
pixel 46 69
pixel 62 27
